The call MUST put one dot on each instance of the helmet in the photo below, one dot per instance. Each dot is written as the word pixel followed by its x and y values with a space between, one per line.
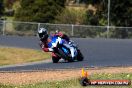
pixel 43 35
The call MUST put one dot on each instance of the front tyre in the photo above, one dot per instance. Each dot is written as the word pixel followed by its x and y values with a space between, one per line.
pixel 55 59
pixel 79 56
pixel 70 59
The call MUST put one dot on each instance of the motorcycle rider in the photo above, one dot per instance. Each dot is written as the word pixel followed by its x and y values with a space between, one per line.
pixel 43 35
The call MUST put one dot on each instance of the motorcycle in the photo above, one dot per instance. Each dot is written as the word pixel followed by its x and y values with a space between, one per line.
pixel 61 51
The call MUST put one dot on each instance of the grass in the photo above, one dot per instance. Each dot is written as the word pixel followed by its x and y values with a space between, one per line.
pixel 74 83
pixel 9 55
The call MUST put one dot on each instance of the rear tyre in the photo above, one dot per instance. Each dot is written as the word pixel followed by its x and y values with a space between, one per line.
pixel 79 56
pixel 55 59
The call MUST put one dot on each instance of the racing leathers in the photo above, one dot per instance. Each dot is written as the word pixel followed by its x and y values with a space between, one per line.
pixel 44 44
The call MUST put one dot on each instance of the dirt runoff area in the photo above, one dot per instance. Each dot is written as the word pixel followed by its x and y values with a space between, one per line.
pixel 41 76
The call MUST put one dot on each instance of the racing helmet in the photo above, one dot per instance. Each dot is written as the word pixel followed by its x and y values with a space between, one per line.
pixel 42 33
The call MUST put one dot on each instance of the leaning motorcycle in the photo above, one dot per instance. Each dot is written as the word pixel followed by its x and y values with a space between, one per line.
pixel 60 51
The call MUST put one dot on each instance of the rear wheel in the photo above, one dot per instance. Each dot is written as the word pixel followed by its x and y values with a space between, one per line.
pixel 79 56
pixel 55 59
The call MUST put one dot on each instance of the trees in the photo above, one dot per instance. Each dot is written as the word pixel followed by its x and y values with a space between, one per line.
pixel 96 13
pixel 39 10
pixel 9 3
pixel 71 16
pixel 121 15
pixel 121 12
pixel 1 8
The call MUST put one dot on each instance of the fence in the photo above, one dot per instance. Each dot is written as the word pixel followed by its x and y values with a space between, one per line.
pixel 85 31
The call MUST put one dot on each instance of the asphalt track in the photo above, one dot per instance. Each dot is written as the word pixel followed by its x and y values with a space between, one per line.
pixel 97 52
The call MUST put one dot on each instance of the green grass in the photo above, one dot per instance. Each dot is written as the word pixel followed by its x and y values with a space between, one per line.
pixel 74 83
pixel 9 55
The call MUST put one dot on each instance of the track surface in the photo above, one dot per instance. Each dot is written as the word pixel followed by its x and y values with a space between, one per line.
pixel 97 52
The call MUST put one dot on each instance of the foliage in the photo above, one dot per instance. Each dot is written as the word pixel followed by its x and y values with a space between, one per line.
pixel 1 8
pixel 98 17
pixel 121 12
pixel 10 7
pixel 91 19
pixel 9 3
pixel 39 10
pixel 71 16
pixel 54 11
pixel 47 10
pixel 121 15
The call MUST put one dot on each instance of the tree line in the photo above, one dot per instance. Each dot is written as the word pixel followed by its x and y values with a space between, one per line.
pixel 55 11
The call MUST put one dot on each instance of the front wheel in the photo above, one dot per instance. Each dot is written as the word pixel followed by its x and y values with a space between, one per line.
pixel 70 59
pixel 55 59
pixel 79 56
